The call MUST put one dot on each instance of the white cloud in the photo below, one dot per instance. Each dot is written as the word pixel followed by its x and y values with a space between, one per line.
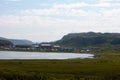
pixel 54 12
pixel 83 4
pixel 72 5
pixel 47 22
pixel 22 21
pixel 40 28
pixel 57 9
pixel 109 0
pixel 50 11
pixel 73 9
pixel 102 5
pixel 112 13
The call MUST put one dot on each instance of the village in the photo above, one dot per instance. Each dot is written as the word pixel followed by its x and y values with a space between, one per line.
pixel 26 45
pixel 16 44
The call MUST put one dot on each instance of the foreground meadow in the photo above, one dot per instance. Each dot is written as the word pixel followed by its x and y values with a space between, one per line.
pixel 105 67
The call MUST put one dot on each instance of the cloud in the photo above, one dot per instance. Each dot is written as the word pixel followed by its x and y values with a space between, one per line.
pixel 109 0
pixel 11 20
pixel 72 5
pixel 57 9
pixel 60 19
pixel 82 4
pixel 40 28
pixel 50 11
pixel 52 15
pixel 112 13
pixel 102 5
pixel 73 9
pixel 54 12
pixel 91 18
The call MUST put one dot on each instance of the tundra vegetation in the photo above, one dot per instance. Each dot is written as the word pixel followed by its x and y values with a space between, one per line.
pixel 104 67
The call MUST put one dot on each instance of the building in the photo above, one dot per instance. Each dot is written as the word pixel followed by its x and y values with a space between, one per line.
pixel 56 47
pixel 45 46
pixel 48 46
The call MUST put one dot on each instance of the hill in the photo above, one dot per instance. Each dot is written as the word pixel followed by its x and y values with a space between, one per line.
pixel 89 39
pixel 4 42
pixel 21 42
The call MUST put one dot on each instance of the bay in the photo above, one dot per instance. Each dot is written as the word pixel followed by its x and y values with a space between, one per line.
pixel 42 55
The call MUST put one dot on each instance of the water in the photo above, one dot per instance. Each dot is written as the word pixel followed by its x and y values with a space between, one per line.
pixel 42 55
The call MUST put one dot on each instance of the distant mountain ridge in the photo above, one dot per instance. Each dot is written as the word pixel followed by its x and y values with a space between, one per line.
pixel 1 38
pixel 21 42
pixel 9 42
pixel 89 39
pixel 4 42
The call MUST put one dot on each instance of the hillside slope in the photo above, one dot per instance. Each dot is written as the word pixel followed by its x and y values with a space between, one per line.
pixel 89 39
pixel 4 42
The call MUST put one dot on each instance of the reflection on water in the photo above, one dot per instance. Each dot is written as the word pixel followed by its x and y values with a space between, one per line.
pixel 42 55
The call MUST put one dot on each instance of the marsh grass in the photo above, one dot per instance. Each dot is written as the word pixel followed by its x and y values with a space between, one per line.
pixel 106 67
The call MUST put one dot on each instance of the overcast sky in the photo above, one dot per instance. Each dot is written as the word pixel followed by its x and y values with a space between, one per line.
pixel 49 20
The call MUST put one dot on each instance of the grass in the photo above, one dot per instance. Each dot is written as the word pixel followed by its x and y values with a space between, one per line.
pixel 106 67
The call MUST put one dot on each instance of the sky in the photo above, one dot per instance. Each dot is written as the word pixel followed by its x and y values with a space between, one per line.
pixel 50 20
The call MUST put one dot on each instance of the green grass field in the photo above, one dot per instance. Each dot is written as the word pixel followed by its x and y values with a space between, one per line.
pixel 105 67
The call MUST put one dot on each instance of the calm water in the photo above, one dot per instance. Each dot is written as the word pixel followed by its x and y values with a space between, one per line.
pixel 42 55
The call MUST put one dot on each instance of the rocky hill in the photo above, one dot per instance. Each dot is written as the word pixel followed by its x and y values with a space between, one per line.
pixel 89 39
